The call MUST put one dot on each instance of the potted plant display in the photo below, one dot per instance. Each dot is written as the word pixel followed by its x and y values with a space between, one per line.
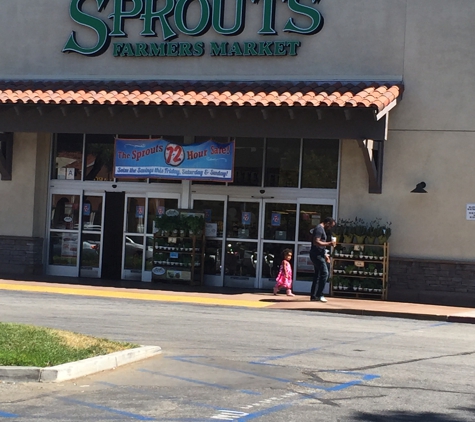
pixel 195 225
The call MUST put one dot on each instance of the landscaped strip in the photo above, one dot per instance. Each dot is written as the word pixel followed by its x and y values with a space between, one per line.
pixel 27 345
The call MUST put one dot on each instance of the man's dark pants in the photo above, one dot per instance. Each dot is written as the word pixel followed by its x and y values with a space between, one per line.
pixel 320 276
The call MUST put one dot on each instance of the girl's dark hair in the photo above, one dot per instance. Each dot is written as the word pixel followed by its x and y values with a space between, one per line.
pixel 285 252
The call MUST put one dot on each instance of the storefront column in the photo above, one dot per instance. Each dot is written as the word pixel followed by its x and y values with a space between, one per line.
pixel 186 184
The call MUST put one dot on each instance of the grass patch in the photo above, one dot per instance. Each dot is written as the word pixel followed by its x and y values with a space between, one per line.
pixel 27 345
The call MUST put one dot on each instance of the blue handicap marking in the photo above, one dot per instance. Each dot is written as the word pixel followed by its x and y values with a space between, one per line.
pixel 361 377
pixel 8 415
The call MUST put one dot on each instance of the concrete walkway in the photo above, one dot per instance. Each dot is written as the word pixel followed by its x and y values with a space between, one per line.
pixel 234 297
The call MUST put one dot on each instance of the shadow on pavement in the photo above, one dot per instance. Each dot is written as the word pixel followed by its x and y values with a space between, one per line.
pixel 407 417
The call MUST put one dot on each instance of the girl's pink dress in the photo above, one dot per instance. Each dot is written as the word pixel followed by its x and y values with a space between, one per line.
pixel 283 281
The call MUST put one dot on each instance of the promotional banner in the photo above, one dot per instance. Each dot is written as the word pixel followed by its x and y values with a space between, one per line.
pixel 159 158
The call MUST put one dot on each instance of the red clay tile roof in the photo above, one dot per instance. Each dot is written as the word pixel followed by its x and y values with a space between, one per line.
pixel 375 95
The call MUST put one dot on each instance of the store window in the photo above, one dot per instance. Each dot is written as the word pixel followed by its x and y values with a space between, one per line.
pixel 68 154
pixel 157 207
pixel 248 159
pixel 242 220
pixel 280 220
pixel 282 162
pixel 63 247
pixel 99 157
pixel 310 216
pixel 214 214
pixel 320 163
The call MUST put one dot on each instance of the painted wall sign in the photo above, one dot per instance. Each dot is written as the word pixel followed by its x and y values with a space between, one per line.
pixel 158 158
pixel 171 20
pixel 471 212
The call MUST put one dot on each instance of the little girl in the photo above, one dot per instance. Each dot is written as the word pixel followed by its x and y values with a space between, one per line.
pixel 284 278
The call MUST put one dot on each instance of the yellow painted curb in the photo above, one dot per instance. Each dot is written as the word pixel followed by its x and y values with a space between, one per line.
pixel 135 295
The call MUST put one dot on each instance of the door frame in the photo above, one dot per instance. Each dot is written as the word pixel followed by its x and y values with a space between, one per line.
pixel 214 280
pixel 268 283
pixel 147 275
pixel 63 270
pixel 300 285
pixel 254 283
pixel 102 194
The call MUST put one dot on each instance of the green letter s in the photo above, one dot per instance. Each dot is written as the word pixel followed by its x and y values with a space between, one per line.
pixel 99 26
pixel 314 15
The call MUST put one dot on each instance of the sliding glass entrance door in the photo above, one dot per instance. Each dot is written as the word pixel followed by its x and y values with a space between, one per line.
pixel 242 242
pixel 213 207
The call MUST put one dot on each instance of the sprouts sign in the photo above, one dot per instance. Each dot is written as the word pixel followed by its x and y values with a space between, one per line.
pixel 161 24
pixel 159 158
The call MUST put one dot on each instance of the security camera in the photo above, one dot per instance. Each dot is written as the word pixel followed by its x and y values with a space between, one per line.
pixel 262 191
pixel 114 186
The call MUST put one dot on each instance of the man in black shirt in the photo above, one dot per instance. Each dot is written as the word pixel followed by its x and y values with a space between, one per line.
pixel 317 255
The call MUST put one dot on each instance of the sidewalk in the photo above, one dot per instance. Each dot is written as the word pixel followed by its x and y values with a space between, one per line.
pixel 235 297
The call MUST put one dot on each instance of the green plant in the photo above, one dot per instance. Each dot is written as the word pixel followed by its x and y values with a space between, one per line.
pixel 195 224
pixel 349 269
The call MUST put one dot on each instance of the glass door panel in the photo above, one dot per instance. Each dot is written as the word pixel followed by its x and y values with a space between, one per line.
pixel 134 238
pixel 154 208
pixel 271 259
pixel 241 251
pixel 91 236
pixel 280 221
pixel 240 264
pixel 213 209
pixel 63 251
pixel 242 220
pixel 157 207
pixel 309 216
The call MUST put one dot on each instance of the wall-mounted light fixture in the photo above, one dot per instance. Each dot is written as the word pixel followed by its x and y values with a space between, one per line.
pixel 419 188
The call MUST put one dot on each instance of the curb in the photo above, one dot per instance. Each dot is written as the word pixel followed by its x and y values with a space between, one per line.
pixel 392 314
pixel 81 368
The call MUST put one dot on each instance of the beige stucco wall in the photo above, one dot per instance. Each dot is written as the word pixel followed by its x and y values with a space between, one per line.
pixel 23 213
pixel 423 225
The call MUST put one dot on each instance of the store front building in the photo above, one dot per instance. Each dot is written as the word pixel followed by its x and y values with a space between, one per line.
pixel 276 197
pixel 335 108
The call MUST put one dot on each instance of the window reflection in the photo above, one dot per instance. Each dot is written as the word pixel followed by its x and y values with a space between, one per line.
pixel 241 259
pixel 212 264
pixel 249 155
pixel 156 207
pixel 303 267
pixel 242 220
pixel 63 249
pixel 282 162
pixel 135 215
pixel 272 257
pixel 214 213
pixel 280 221
pixel 65 212
pixel 320 163
pixel 134 252
pixel 99 157
pixel 310 216
pixel 91 246
pixel 67 156
pixel 92 213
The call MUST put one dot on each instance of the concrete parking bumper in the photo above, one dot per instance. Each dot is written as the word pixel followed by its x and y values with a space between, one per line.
pixel 82 368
